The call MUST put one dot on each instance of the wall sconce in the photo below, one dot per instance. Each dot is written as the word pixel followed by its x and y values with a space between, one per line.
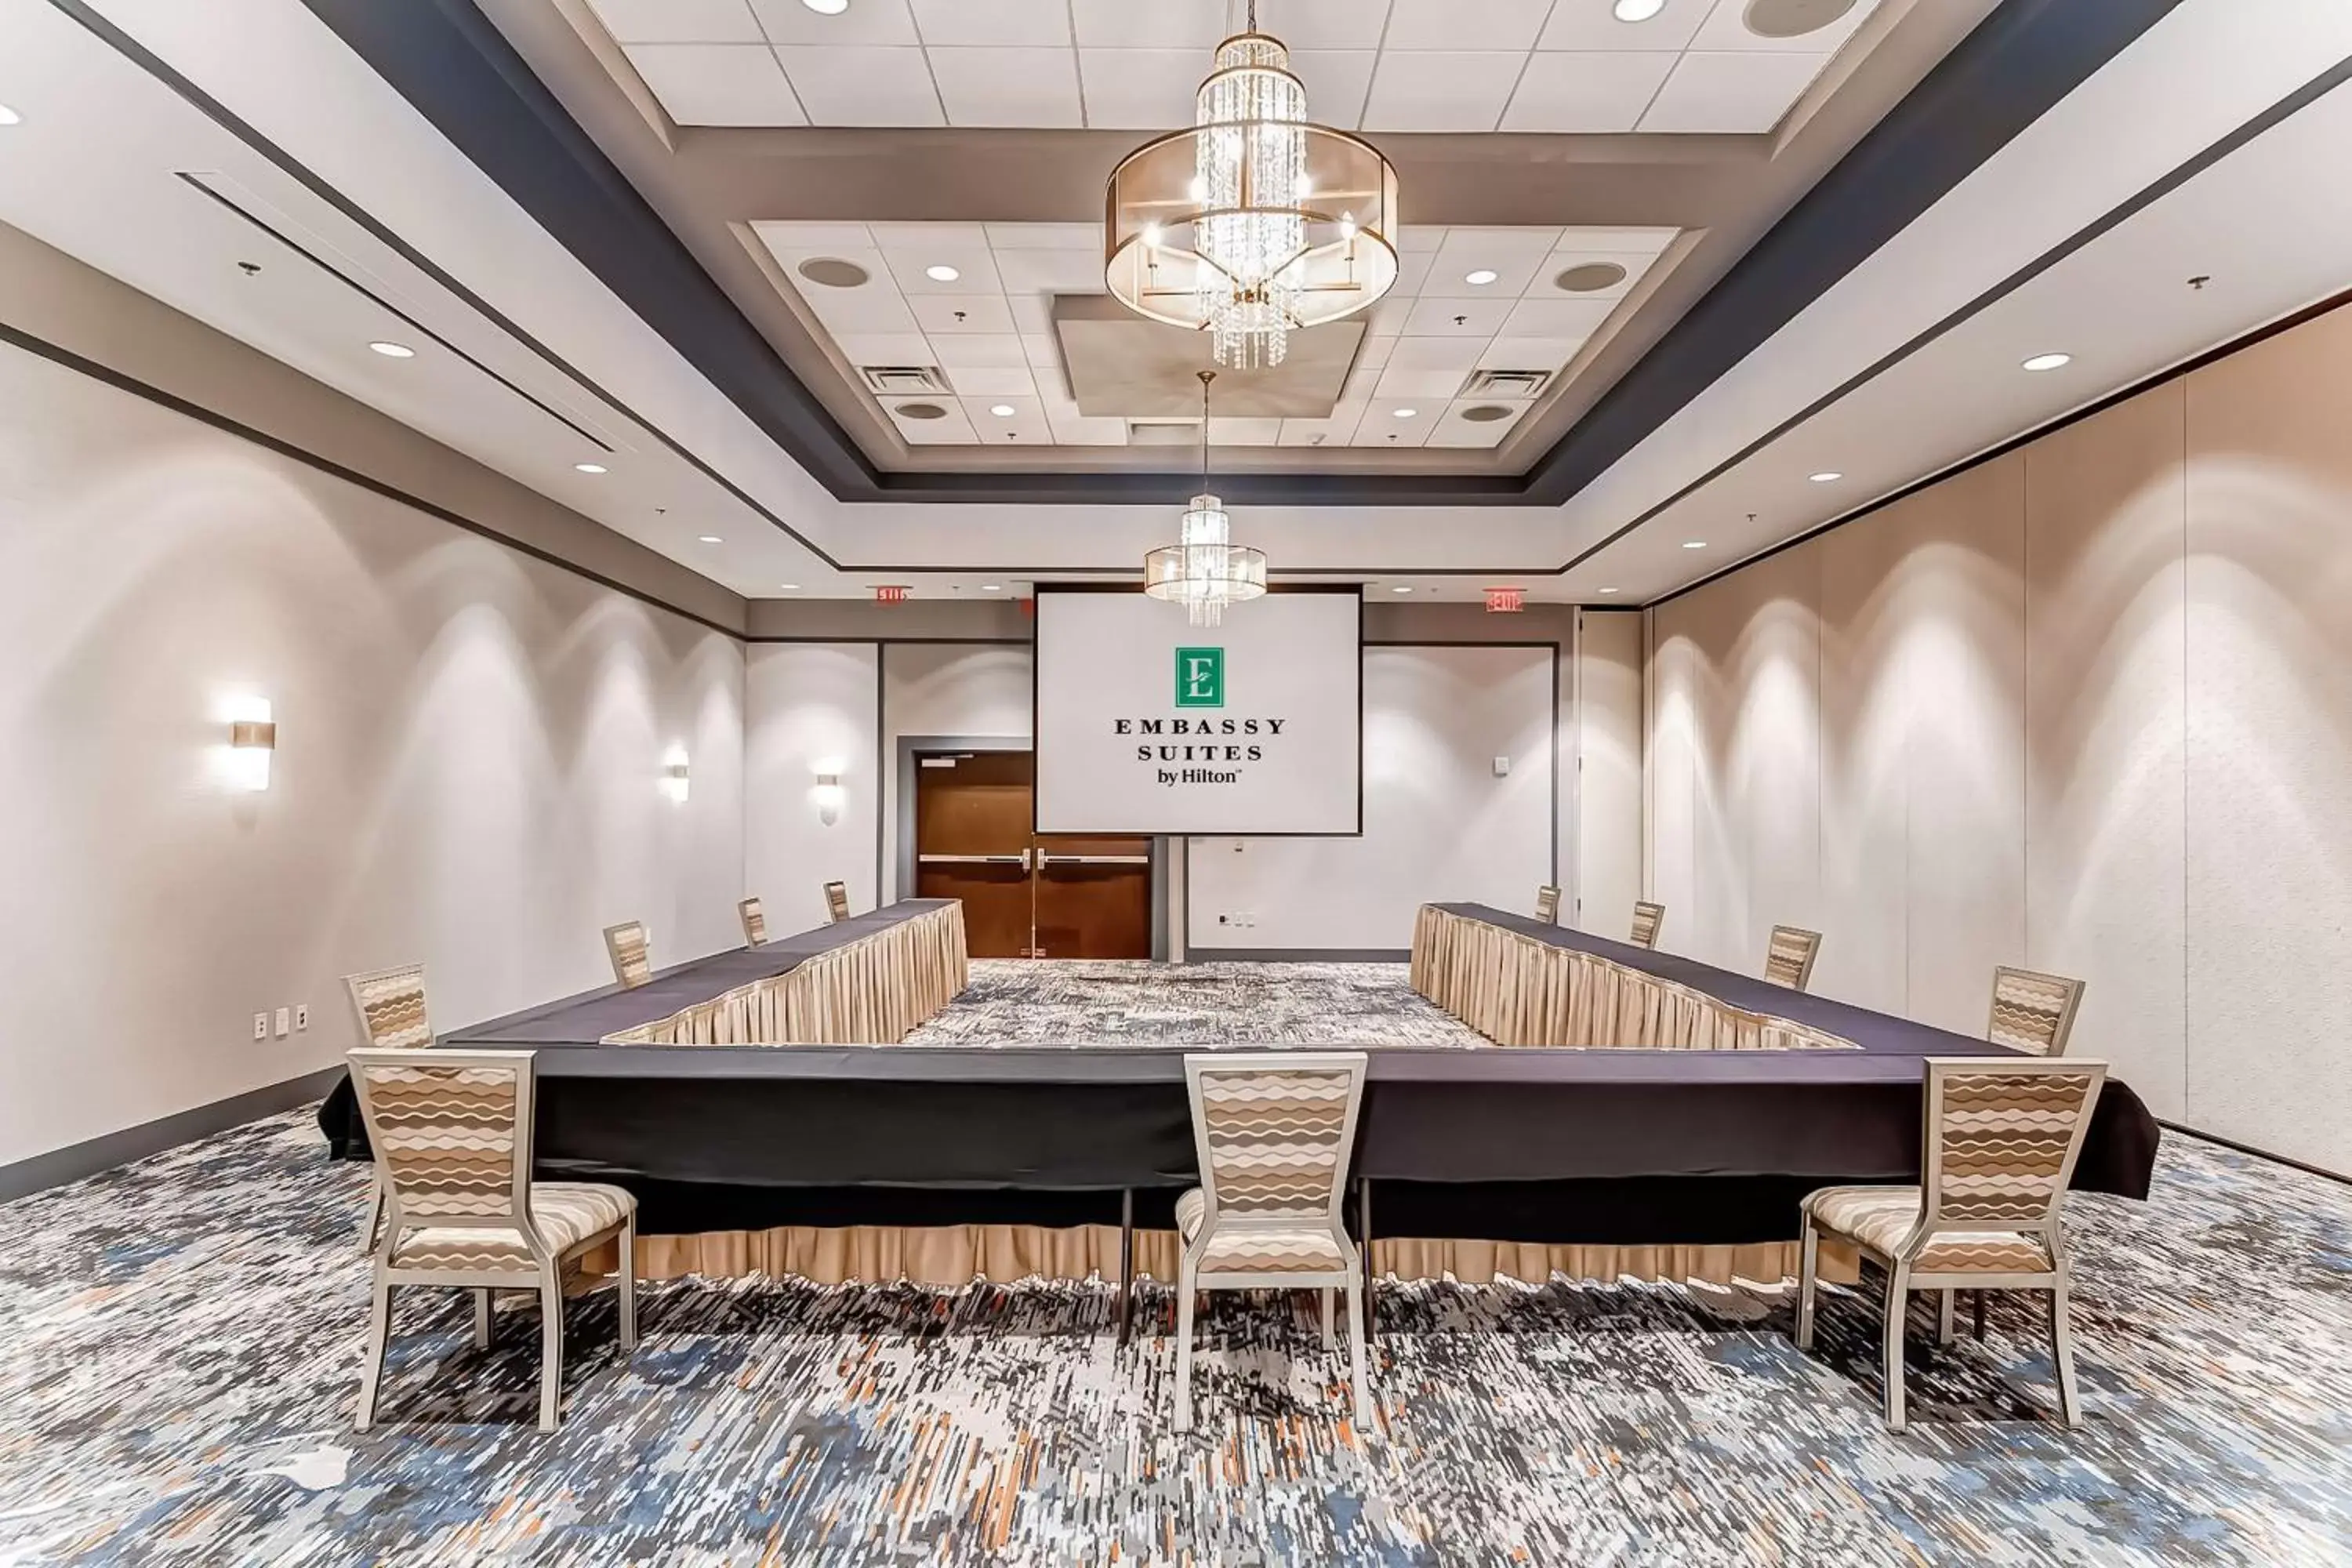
pixel 252 737
pixel 827 793
pixel 674 775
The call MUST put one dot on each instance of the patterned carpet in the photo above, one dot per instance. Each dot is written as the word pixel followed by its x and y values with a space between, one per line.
pixel 1014 1001
pixel 179 1343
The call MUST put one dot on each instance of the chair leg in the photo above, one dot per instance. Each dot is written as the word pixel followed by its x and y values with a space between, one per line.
pixel 629 1283
pixel 550 1348
pixel 374 1230
pixel 1358 1379
pixel 482 1319
pixel 1184 1347
pixel 1944 1317
pixel 372 1373
pixel 2062 1343
pixel 1898 1296
pixel 1328 1340
pixel 1808 1277
pixel 1976 1307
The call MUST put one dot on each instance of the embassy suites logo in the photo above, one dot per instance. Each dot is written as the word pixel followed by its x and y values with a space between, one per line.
pixel 1200 683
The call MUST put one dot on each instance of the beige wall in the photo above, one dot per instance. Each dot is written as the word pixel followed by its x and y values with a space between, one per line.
pixel 2086 706
pixel 469 749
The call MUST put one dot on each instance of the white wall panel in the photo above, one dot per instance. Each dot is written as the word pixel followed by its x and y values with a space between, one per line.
pixel 806 704
pixel 1607 791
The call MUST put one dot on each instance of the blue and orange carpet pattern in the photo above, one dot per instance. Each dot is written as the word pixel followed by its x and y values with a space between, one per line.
pixel 179 1343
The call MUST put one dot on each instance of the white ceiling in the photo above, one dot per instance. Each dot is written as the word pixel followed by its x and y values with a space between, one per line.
pixel 1370 65
pixel 990 327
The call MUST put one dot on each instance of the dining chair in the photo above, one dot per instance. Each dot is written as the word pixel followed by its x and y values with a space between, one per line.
pixel 1547 905
pixel 1647 919
pixel 2001 1142
pixel 1273 1130
pixel 452 1134
pixel 755 923
pixel 390 1007
pixel 837 901
pixel 2033 1013
pixel 1789 959
pixel 626 945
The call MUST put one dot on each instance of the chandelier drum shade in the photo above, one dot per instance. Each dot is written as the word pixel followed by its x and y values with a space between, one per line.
pixel 1254 223
pixel 1204 570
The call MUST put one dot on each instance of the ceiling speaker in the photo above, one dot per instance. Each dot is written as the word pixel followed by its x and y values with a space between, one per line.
pixel 1486 414
pixel 1793 18
pixel 1589 277
pixel 832 272
pixel 919 411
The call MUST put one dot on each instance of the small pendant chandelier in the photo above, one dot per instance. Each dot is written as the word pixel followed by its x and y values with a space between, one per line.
pixel 1253 223
pixel 1204 570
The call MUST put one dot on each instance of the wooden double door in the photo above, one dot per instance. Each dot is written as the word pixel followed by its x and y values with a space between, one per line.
pixel 1025 894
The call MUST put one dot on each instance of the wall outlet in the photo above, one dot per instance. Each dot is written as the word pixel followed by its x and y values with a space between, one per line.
pixel 261 1025
pixel 285 1021
pixel 1502 767
pixel 301 1016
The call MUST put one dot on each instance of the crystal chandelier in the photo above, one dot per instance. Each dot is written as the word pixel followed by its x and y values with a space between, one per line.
pixel 1253 223
pixel 1204 570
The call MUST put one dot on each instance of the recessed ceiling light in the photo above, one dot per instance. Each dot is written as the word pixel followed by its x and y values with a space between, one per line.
pixel 1826 476
pixel 942 273
pixel 826 8
pixel 712 539
pixel 790 587
pixel 1401 588
pixel 9 116
pixel 590 467
pixel 1480 279
pixel 1693 545
pixel 1403 412
pixel 1608 590
pixel 991 588
pixel 1638 10
pixel 1002 410
pixel 2049 362
pixel 394 350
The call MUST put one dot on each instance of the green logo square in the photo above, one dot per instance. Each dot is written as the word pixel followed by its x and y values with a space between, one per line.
pixel 1200 678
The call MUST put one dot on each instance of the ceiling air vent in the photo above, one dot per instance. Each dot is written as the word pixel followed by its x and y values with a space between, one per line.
pixel 905 380
pixel 1164 432
pixel 1520 383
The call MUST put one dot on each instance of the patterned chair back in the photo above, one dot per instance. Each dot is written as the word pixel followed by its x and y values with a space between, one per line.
pixel 2033 1013
pixel 2001 1140
pixel 1274 1129
pixel 451 1133
pixel 1647 919
pixel 1789 960
pixel 837 901
pixel 755 923
pixel 1547 905
pixel 626 944
pixel 389 1005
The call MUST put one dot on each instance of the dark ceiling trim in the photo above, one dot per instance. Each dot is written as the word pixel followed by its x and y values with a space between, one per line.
pixel 454 66
pixel 2146 384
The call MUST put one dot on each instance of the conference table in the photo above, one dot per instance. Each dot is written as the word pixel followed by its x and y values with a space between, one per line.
pixel 1532 1144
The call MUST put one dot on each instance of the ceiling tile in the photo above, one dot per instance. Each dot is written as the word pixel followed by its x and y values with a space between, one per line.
pixel 1435 316
pixel 1197 25
pixel 1727 28
pixel 954 430
pixel 813 239
pixel 1412 272
pixel 1464 24
pixel 884 348
pixel 1586 93
pixel 1557 317
pixel 1140 90
pixel 1375 352
pixel 870 309
pixel 1032 314
pixel 1244 432
pixel 1422 236
pixel 1002 23
pixel 995 381
pixel 974 268
pixel 1045 236
pixel 866 22
pixel 1454 430
pixel 977 350
pixel 1052 271
pixel 1331 432
pixel 1650 239
pixel 1508 352
pixel 960 314
pixel 1438 385
pixel 1025 426
pixel 1590 24
pixel 1326 24
pixel 1731 94
pixel 1028 86
pixel 1072 428
pixel 1384 424
pixel 917 235
pixel 1514 254
pixel 716 84
pixel 677 21
pixel 1441 91
pixel 1043 351
pixel 862 86
pixel 1337 81
pixel 1455 354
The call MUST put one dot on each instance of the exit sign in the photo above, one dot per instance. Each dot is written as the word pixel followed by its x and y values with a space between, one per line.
pixel 890 594
pixel 1506 601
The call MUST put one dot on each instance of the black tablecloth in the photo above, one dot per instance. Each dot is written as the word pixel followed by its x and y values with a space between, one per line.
pixel 1503 1143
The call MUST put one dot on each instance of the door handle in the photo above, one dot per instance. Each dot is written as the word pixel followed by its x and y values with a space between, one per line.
pixel 1021 861
pixel 1097 859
